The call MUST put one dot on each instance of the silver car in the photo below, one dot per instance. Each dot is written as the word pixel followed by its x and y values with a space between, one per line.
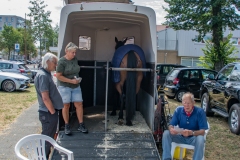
pixel 10 82
pixel 15 67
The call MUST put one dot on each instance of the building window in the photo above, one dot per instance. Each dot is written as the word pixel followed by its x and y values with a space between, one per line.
pixel 0 19
pixel 191 62
pixel 0 28
pixel 84 43
pixel 235 41
pixel 9 24
pixel 130 40
pixel 204 40
pixel 12 19
pixel 6 19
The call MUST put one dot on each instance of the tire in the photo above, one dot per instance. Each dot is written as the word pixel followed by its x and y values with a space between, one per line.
pixel 234 119
pixel 170 97
pixel 205 105
pixel 179 95
pixel 8 86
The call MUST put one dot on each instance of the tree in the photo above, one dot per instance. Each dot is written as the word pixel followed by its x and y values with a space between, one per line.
pixel 210 58
pixel 40 20
pixel 211 16
pixel 10 36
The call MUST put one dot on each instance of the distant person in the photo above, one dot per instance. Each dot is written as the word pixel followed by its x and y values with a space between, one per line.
pixel 193 121
pixel 49 99
pixel 69 86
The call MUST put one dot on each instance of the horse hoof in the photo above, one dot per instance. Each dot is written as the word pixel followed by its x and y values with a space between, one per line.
pixel 113 113
pixel 129 123
pixel 120 122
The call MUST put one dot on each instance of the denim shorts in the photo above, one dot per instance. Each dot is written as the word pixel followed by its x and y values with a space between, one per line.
pixel 70 94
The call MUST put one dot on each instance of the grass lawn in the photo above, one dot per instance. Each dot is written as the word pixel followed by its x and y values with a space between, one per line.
pixel 13 103
pixel 221 144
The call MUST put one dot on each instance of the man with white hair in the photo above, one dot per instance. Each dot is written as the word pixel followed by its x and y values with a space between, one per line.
pixel 49 99
pixel 191 122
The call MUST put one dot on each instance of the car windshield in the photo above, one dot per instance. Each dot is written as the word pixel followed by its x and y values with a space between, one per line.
pixel 22 66
pixel 235 75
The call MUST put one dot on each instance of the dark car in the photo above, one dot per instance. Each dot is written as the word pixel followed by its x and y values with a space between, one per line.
pixel 162 71
pixel 181 80
pixel 221 94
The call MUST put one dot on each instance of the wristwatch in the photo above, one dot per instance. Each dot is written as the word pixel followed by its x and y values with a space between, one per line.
pixel 193 133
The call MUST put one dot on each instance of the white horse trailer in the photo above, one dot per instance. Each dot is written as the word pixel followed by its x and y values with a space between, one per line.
pixel 93 27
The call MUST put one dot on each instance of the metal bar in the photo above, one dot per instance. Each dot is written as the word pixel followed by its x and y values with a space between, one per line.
pixel 91 67
pixel 94 84
pixel 106 95
pixel 132 69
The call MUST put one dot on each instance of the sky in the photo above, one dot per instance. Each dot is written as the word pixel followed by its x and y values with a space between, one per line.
pixel 20 7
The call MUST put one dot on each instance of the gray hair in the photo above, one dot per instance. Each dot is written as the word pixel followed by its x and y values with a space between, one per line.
pixel 71 46
pixel 188 95
pixel 46 57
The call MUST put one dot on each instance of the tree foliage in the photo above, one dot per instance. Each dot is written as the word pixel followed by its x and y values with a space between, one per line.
pixel 211 16
pixel 228 52
pixel 40 20
pixel 10 36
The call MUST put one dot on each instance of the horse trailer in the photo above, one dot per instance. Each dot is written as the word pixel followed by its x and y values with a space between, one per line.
pixel 93 27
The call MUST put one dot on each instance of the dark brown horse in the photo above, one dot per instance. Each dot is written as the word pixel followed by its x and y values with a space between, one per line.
pixel 132 80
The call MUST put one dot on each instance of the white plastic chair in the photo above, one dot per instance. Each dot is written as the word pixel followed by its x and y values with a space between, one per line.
pixel 181 146
pixel 34 147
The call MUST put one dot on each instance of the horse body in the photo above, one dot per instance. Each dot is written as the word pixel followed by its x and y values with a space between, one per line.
pixel 133 81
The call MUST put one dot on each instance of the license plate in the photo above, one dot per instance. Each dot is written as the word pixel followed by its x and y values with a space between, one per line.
pixel 166 89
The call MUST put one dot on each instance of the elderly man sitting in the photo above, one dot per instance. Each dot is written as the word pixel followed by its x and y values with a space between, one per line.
pixel 192 123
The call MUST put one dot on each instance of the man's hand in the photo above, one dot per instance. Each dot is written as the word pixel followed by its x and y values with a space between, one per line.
pixel 173 131
pixel 186 133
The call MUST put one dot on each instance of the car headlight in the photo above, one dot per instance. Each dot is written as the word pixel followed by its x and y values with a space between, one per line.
pixel 18 79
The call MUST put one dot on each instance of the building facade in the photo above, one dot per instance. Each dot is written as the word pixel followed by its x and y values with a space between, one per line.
pixel 11 20
pixel 179 47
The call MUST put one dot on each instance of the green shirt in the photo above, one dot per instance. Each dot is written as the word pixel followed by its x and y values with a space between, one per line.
pixel 69 69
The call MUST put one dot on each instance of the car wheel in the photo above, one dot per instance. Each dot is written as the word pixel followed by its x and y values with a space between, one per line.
pixel 8 86
pixel 234 119
pixel 170 97
pixel 179 95
pixel 205 105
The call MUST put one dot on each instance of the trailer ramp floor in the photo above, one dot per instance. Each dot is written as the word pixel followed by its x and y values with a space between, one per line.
pixel 118 143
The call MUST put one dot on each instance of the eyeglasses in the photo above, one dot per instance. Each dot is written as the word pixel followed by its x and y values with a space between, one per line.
pixel 54 62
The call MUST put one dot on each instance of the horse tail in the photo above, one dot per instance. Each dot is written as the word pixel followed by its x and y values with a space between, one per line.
pixel 131 86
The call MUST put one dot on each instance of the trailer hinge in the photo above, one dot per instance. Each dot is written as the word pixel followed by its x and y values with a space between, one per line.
pixel 136 9
pixel 81 8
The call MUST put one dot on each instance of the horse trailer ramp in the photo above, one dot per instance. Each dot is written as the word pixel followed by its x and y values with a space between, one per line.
pixel 110 146
pixel 118 143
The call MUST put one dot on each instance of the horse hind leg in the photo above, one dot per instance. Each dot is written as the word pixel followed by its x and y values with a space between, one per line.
pixel 120 116
pixel 116 103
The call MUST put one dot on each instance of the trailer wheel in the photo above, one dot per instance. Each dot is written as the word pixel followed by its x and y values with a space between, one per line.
pixel 234 119
pixel 205 105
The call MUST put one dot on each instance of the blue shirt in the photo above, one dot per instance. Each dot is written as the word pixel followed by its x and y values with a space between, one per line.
pixel 196 121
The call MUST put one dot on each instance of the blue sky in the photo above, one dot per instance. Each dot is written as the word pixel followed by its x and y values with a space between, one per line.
pixel 20 7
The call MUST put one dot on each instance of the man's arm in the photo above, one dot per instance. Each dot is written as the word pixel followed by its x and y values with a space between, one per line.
pixel 187 132
pixel 47 101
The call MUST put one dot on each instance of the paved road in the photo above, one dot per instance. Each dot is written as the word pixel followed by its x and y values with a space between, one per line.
pixel 27 123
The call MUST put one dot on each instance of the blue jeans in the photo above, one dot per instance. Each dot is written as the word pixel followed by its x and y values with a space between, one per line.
pixel 196 141
pixel 70 94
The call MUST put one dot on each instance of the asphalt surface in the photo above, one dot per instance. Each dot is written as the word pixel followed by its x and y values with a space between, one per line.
pixel 27 123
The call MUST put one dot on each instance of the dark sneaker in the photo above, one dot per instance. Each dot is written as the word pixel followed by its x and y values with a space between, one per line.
pixel 67 129
pixel 82 128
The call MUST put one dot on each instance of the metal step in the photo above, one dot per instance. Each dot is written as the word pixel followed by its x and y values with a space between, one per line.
pixel 222 113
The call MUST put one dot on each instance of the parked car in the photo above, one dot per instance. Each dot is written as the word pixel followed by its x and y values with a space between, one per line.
pixel 221 94
pixel 15 67
pixel 181 80
pixel 10 82
pixel 162 71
